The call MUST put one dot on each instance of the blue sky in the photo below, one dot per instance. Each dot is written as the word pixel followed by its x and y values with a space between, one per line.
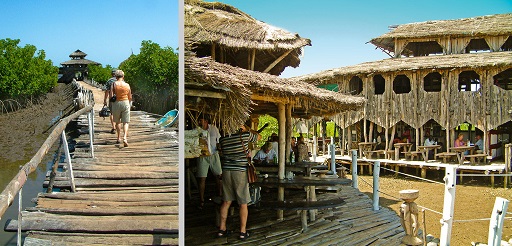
pixel 340 29
pixel 107 30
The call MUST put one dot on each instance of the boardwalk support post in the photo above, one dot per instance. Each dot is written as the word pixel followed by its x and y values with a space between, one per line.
pixel 376 173
pixel 496 224
pixel 450 180
pixel 354 169
pixel 90 118
pixel 68 158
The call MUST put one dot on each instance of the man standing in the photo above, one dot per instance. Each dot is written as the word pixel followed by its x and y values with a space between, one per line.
pixel 106 99
pixel 209 162
pixel 234 176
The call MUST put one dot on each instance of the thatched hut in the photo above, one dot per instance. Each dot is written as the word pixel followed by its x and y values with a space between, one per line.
pixel 230 36
pixel 447 90
pixel 76 67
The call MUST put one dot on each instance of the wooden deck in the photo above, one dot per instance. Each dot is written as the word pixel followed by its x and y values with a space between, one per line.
pixel 124 196
pixel 354 223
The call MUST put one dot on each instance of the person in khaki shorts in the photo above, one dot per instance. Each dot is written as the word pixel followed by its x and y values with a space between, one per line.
pixel 234 177
pixel 121 107
pixel 211 162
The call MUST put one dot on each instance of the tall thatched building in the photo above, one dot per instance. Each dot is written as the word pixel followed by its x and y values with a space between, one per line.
pixel 76 67
pixel 444 76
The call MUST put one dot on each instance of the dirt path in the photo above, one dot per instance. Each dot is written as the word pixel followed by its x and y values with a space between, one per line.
pixel 473 200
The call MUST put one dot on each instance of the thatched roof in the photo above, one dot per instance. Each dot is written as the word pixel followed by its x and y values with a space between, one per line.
pixel 478 27
pixel 79 61
pixel 256 93
pixel 78 53
pixel 237 35
pixel 472 60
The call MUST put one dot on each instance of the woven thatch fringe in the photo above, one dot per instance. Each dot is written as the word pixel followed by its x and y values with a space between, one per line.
pixel 240 84
pixel 473 60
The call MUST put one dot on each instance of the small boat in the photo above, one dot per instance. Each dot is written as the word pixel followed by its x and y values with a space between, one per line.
pixel 168 119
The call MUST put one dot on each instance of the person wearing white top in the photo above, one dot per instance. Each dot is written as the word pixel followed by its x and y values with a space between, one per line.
pixel 211 162
pixel 429 142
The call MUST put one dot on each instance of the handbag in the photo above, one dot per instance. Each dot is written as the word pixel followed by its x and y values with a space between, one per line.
pixel 251 170
pixel 114 97
pixel 104 112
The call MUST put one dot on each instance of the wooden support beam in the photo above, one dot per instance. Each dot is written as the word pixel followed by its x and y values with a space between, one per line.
pixel 212 51
pixel 253 58
pixel 208 94
pixel 273 64
pixel 282 134
pixel 289 132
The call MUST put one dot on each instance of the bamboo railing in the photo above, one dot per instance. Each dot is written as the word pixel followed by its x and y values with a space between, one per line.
pixel 85 101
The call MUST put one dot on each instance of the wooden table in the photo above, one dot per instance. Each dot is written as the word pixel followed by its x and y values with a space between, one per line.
pixel 460 152
pixel 365 147
pixel 425 149
pixel 303 166
pixel 406 146
pixel 308 183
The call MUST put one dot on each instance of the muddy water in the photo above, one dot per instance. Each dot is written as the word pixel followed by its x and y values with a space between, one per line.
pixel 30 190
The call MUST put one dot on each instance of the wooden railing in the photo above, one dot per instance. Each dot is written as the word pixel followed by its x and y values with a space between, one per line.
pixel 84 100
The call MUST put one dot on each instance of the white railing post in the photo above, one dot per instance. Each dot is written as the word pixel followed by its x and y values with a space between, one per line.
pixel 90 119
pixel 449 202
pixel 20 207
pixel 333 160
pixel 68 157
pixel 354 169
pixel 376 174
pixel 496 224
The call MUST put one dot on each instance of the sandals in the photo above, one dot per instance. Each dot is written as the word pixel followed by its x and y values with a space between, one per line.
pixel 113 131
pixel 243 235
pixel 125 143
pixel 222 233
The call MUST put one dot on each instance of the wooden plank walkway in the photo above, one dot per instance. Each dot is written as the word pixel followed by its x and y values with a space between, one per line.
pixel 124 196
pixel 354 223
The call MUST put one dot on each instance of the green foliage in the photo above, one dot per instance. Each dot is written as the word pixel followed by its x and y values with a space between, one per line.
pixel 267 132
pixel 24 70
pixel 329 132
pixel 153 76
pixel 99 73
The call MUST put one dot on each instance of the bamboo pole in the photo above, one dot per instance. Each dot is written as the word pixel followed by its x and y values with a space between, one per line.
pixel 282 134
pixel 289 133
pixel 273 64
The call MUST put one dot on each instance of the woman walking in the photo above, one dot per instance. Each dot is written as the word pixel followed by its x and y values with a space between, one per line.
pixel 121 105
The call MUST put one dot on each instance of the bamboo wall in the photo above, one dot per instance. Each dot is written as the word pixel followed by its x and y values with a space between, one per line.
pixel 486 108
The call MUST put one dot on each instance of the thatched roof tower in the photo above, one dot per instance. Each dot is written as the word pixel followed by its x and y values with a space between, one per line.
pixel 490 33
pixel 230 36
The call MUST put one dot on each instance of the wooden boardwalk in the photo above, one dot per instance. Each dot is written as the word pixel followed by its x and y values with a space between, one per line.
pixel 354 223
pixel 125 196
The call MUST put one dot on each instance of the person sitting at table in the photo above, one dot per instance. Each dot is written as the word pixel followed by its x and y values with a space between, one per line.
pixel 397 139
pixel 479 144
pixel 429 141
pixel 274 140
pixel 293 149
pixel 302 150
pixel 265 155
pixel 459 142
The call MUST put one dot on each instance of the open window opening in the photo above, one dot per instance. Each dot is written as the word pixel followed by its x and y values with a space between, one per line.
pixel 401 84
pixel 469 81
pixel 432 82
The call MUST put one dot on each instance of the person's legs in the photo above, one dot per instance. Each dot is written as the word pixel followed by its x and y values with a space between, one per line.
pixel 118 131
pixel 202 184
pixel 224 214
pixel 244 213
pixel 125 134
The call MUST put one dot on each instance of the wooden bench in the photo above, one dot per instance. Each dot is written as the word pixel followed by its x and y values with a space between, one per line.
pixel 446 156
pixel 412 155
pixel 303 206
pixel 482 158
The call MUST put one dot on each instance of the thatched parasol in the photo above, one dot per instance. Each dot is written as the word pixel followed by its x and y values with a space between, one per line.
pixel 235 92
pixel 230 36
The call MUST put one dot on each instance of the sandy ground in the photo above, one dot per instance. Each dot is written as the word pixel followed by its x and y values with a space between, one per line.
pixel 474 199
